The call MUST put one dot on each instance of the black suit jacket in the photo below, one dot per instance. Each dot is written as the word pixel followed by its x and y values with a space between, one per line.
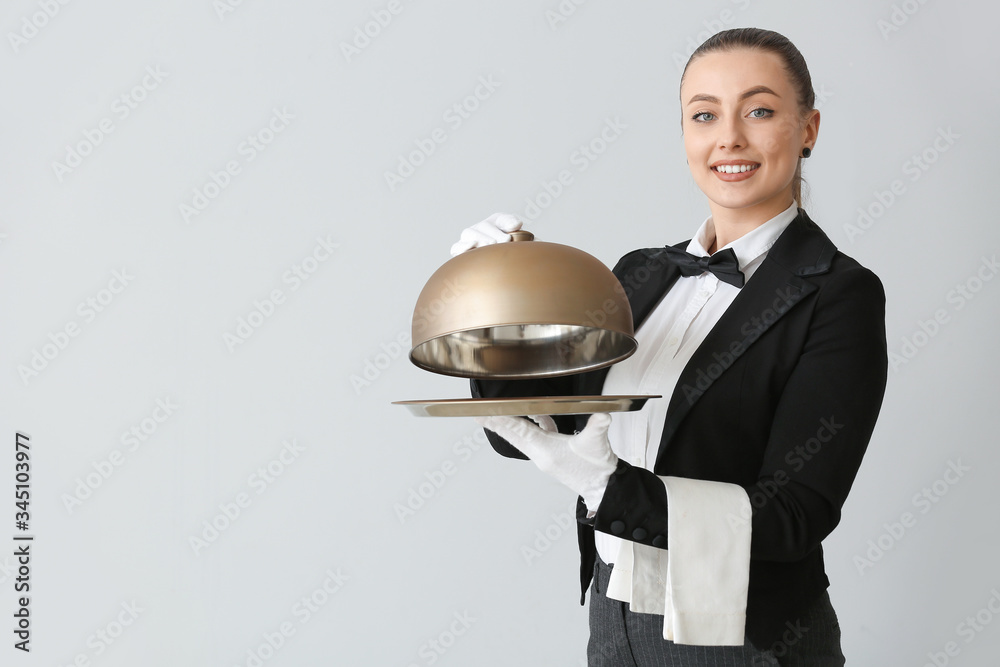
pixel 780 398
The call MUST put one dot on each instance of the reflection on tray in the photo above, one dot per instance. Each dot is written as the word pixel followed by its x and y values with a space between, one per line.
pixel 522 406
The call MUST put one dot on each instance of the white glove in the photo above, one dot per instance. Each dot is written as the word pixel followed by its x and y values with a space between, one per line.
pixel 583 462
pixel 491 230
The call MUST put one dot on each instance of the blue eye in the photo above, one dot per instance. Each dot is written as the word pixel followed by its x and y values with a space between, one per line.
pixel 703 113
pixel 767 112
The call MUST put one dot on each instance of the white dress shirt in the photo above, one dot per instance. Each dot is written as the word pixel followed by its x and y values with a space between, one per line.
pixel 667 339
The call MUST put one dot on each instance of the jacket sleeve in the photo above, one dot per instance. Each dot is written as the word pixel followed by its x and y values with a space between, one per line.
pixel 821 428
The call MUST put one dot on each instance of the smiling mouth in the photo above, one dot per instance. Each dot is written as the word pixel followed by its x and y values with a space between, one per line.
pixel 734 168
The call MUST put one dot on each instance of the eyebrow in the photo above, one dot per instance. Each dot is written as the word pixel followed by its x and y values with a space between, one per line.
pixel 750 92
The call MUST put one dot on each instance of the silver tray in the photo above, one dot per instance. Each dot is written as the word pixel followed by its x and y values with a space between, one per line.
pixel 522 406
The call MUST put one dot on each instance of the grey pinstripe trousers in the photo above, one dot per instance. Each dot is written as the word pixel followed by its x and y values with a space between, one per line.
pixel 621 638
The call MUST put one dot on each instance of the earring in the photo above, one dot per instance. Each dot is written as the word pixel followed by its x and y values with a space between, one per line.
pixel 806 152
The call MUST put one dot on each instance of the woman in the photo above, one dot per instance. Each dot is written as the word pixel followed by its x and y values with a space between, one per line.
pixel 770 344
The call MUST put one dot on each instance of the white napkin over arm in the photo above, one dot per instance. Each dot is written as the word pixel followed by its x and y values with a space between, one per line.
pixel 708 571
pixel 699 583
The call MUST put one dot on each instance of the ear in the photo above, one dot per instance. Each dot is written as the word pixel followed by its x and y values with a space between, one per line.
pixel 811 128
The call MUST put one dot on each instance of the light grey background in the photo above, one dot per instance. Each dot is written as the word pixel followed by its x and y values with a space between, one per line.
pixel 486 567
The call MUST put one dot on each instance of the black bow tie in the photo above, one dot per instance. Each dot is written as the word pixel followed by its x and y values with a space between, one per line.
pixel 722 264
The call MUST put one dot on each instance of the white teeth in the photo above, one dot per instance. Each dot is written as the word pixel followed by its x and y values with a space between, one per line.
pixel 735 168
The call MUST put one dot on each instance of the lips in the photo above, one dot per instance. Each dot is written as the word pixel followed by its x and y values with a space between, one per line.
pixel 735 168
pixel 732 171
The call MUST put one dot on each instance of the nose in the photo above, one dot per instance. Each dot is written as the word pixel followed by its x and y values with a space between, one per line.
pixel 731 135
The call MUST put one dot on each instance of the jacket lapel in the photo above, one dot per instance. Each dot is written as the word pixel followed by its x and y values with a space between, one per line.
pixel 645 284
pixel 802 250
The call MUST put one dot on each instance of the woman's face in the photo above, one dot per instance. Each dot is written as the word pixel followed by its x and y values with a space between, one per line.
pixel 741 109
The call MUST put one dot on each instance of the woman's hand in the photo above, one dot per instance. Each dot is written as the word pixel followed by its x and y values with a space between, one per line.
pixel 583 462
pixel 493 229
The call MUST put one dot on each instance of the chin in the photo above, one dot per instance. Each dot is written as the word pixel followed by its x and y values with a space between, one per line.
pixel 734 202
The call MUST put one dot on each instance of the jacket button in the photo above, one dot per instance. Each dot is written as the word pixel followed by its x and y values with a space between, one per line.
pixel 617 527
pixel 660 542
pixel 639 534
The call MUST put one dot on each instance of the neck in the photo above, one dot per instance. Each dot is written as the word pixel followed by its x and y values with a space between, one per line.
pixel 731 224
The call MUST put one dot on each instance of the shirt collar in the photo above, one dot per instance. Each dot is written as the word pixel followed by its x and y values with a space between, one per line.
pixel 751 245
